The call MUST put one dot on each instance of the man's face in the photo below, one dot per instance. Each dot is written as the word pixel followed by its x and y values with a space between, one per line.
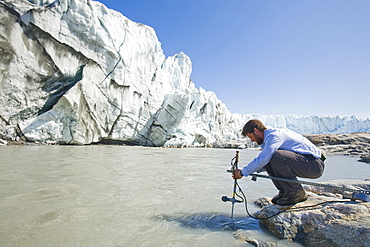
pixel 256 136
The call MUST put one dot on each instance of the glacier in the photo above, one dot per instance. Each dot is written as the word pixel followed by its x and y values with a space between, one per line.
pixel 76 72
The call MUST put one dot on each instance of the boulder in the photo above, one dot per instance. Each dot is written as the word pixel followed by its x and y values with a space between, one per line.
pixel 364 158
pixel 245 237
pixel 3 142
pixel 323 220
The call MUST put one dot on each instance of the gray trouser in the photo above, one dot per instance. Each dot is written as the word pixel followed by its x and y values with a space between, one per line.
pixel 287 164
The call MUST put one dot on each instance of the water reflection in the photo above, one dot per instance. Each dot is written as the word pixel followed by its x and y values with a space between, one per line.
pixel 211 221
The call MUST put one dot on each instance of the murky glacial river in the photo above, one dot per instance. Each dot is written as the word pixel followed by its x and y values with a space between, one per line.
pixel 131 196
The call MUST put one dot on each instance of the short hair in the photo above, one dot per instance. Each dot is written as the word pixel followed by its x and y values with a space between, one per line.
pixel 251 124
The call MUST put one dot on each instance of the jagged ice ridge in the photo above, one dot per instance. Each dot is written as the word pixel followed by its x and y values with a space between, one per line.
pixel 76 72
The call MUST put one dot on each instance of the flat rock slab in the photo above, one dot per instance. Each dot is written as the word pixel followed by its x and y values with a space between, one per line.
pixel 322 220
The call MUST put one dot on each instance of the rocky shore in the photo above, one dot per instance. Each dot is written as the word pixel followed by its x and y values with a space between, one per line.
pixel 354 144
pixel 327 218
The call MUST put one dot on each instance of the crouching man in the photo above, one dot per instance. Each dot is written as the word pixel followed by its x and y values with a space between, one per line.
pixel 284 154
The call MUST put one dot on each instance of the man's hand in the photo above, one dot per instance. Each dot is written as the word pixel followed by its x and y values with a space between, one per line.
pixel 237 174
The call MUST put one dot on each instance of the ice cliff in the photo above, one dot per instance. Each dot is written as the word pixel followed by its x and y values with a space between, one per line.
pixel 76 72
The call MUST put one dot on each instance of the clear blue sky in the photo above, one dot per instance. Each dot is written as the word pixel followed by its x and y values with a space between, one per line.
pixel 304 57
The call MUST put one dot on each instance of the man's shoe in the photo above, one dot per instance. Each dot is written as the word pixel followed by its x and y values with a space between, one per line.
pixel 277 197
pixel 301 196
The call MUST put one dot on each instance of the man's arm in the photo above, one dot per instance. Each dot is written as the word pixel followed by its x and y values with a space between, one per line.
pixel 272 143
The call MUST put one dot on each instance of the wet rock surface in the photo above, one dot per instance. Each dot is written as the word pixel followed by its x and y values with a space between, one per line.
pixel 327 218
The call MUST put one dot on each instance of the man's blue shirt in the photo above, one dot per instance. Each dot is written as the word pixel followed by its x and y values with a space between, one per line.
pixel 280 139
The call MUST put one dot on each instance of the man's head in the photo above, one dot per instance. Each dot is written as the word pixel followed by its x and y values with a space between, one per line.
pixel 254 130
